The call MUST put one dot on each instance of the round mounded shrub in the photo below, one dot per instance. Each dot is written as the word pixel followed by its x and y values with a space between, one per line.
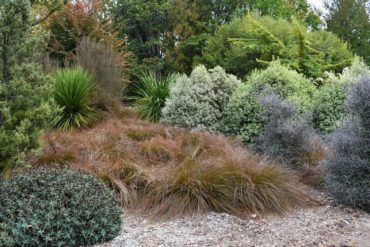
pixel 328 101
pixel 57 207
pixel 328 105
pixel 243 114
pixel 198 101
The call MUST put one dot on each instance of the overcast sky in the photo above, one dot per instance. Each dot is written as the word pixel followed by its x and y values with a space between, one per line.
pixel 317 3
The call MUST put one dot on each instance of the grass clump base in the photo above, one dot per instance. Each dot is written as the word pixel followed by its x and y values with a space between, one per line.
pixel 166 171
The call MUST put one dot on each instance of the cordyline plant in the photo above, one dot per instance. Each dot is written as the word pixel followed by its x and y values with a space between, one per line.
pixel 73 90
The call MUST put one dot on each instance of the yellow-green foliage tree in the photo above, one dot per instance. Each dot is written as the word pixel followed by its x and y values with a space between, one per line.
pixel 253 41
pixel 194 21
pixel 169 35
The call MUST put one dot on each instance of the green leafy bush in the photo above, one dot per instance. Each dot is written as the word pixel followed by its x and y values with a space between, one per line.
pixel 150 93
pixel 328 105
pixel 55 207
pixel 73 93
pixel 348 165
pixel 26 109
pixel 243 113
pixel 328 101
pixel 198 101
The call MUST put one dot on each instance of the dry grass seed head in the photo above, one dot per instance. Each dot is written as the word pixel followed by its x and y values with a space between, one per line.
pixel 131 174
pixel 61 158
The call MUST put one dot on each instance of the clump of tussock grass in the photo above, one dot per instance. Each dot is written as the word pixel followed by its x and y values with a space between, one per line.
pixel 53 154
pixel 129 179
pixel 132 175
pixel 139 135
pixel 60 158
pixel 195 188
pixel 160 149
pixel 178 172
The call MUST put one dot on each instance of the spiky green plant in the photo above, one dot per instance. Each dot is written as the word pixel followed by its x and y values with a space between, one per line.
pixel 150 93
pixel 72 92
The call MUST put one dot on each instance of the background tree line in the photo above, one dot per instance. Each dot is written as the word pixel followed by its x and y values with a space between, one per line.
pixel 174 35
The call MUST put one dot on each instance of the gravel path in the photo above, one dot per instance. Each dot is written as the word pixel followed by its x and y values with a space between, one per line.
pixel 323 225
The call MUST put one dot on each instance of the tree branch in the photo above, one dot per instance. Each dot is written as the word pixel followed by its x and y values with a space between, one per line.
pixel 38 21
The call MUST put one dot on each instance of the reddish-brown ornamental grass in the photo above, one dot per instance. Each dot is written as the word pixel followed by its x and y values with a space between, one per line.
pixel 170 171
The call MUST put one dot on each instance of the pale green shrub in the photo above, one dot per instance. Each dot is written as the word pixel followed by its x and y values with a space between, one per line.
pixel 198 101
pixel 243 113
pixel 328 101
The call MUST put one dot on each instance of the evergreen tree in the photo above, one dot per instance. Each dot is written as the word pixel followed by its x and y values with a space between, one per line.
pixel 26 102
pixel 305 59
pixel 350 21
pixel 144 24
pixel 170 35
pixel 15 19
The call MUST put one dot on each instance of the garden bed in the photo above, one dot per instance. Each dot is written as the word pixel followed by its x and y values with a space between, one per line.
pixel 170 172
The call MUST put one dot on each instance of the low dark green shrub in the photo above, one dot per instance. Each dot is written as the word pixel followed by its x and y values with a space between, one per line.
pixel 348 165
pixel 55 207
pixel 5 238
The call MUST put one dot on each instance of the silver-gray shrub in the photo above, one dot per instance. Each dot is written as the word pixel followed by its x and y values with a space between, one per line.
pixel 287 135
pixel 198 101
pixel 348 164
